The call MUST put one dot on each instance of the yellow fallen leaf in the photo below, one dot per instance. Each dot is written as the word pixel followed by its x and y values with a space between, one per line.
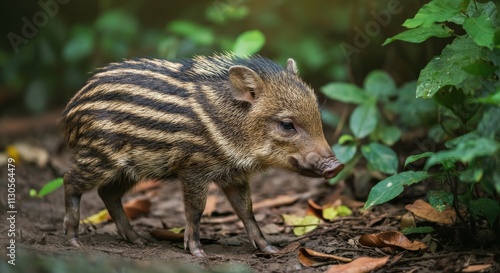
pixel 97 218
pixel 302 225
pixel 12 153
pixel 331 213
pixel 310 222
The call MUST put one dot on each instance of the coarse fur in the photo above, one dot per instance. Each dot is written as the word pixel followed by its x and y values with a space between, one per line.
pixel 208 119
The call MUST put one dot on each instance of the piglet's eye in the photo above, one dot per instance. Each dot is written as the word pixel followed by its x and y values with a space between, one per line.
pixel 287 126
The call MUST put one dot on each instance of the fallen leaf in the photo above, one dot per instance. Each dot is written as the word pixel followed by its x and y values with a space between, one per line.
pixel 12 152
pixel 329 211
pixel 311 258
pixel 97 218
pixel 211 205
pixel 334 212
pixel 390 238
pixel 302 225
pixel 291 219
pixel 280 200
pixel 136 207
pixel 360 265
pixel 24 152
pixel 476 268
pixel 425 211
pixel 168 235
pixel 290 248
pixel 272 229
pixel 146 185
pixel 407 221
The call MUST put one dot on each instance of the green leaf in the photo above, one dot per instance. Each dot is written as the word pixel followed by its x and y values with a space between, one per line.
pixel 435 11
pixel 33 193
pixel 446 69
pixel 118 24
pixel 345 92
pixel 480 68
pixel 249 42
pixel 414 158
pixel 472 174
pixel 196 33
pixel 334 212
pixel 177 229
pixel 491 99
pixel 49 187
pixel 345 153
pixel 330 118
pixel 388 134
pixel 417 230
pixel 440 199
pixel 312 223
pixel 481 30
pixel 420 34
pixel 80 45
pixel 489 126
pixel 363 120
pixel 381 157
pixel 380 85
pixel 485 207
pixel 343 139
pixel 466 151
pixel 392 186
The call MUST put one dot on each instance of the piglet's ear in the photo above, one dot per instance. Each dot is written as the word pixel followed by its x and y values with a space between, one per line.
pixel 291 66
pixel 246 84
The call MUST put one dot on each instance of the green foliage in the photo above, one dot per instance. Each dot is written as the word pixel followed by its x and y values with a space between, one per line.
pixel 417 230
pixel 249 42
pixel 440 199
pixel 370 136
pixel 392 186
pixel 47 188
pixel 47 69
pixel 463 80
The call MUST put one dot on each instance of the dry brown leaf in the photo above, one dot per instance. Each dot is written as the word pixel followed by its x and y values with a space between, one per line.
pixel 136 207
pixel 147 185
pixel 211 205
pixel 165 234
pixel 314 208
pixel 425 211
pixel 360 265
pixel 309 257
pixel 407 221
pixel 476 268
pixel 280 200
pixel 291 247
pixel 390 238
pixel 371 240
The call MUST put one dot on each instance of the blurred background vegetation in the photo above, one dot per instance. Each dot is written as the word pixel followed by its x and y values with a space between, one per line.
pixel 49 47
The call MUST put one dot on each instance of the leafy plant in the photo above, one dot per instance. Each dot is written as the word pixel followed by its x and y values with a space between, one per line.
pixel 371 135
pixel 463 80
pixel 47 188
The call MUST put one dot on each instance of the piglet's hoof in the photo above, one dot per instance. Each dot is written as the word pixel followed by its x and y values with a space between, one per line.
pixel 198 253
pixel 270 249
pixel 74 242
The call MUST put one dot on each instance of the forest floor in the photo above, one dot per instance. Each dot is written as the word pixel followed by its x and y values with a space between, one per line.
pixel 41 245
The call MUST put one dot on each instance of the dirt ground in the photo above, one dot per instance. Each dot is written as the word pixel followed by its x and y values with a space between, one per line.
pixel 41 245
